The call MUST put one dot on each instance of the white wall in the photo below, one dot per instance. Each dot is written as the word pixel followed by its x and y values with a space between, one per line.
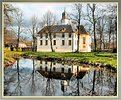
pixel 58 47
pixel 87 44
pixel 65 22
pixel 65 48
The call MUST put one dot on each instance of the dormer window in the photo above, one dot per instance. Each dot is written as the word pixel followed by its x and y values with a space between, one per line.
pixel 63 30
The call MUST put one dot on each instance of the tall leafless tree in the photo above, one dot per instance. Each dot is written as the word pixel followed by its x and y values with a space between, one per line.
pixel 9 10
pixel 49 20
pixel 91 8
pixel 101 23
pixel 19 24
pixel 113 16
pixel 33 29
pixel 77 17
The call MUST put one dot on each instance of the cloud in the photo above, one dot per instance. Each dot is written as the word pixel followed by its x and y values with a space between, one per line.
pixel 39 9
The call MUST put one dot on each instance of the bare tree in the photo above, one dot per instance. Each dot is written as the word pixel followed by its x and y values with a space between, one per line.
pixel 9 10
pixel 109 32
pixel 49 21
pixel 19 24
pixel 91 8
pixel 33 29
pixel 77 17
pixel 113 17
pixel 101 23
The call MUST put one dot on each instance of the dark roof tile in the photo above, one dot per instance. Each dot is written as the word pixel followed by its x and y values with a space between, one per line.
pixel 57 29
pixel 61 28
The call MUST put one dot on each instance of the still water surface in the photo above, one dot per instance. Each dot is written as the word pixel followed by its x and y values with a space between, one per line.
pixel 30 77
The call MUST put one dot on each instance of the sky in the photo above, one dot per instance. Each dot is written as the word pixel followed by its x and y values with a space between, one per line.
pixel 39 9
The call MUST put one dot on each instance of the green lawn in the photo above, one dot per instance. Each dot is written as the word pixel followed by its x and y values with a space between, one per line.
pixel 91 57
pixel 94 57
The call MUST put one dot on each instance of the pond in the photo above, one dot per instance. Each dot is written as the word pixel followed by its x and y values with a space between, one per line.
pixel 31 77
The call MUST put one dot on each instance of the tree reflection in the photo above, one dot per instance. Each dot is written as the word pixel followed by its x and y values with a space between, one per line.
pixel 18 89
pixel 57 79
pixel 49 88
pixel 33 79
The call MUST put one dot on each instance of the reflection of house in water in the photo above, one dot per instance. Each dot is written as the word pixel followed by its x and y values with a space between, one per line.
pixel 60 71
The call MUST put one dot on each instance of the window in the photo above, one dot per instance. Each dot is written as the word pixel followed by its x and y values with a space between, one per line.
pixel 45 62
pixel 54 42
pixel 40 35
pixel 84 46
pixel 69 42
pixel 69 35
pixel 84 40
pixel 63 35
pixel 40 67
pixel 54 63
pixel 63 29
pixel 40 42
pixel 46 42
pixel 40 61
pixel 63 43
pixel 54 35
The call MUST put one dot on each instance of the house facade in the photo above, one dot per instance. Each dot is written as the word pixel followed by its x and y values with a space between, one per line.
pixel 63 37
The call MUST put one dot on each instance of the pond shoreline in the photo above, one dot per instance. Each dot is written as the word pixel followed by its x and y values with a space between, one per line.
pixel 71 61
pixel 20 77
pixel 69 58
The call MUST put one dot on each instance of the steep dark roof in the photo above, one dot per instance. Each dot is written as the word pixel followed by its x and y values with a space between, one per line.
pixel 57 29
pixel 62 28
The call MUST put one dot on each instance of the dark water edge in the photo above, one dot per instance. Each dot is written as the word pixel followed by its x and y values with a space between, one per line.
pixel 31 77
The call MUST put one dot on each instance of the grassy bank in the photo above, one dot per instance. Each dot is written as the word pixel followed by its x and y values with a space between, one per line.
pixel 10 56
pixel 92 57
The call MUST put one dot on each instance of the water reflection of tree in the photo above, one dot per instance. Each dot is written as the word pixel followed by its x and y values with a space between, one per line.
pixel 49 88
pixel 24 80
pixel 76 85
pixel 33 79
pixel 102 82
pixel 99 82
pixel 18 89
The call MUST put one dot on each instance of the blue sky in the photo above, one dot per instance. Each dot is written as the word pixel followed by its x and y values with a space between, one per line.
pixel 38 9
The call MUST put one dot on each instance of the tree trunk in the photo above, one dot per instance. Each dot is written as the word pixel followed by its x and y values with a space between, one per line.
pixel 100 41
pixel 93 88
pixel 51 45
pixel 116 32
pixel 17 45
pixel 113 41
pixel 109 39
pixel 78 39
pixel 94 29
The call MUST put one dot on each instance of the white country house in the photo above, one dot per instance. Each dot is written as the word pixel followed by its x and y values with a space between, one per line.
pixel 64 37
